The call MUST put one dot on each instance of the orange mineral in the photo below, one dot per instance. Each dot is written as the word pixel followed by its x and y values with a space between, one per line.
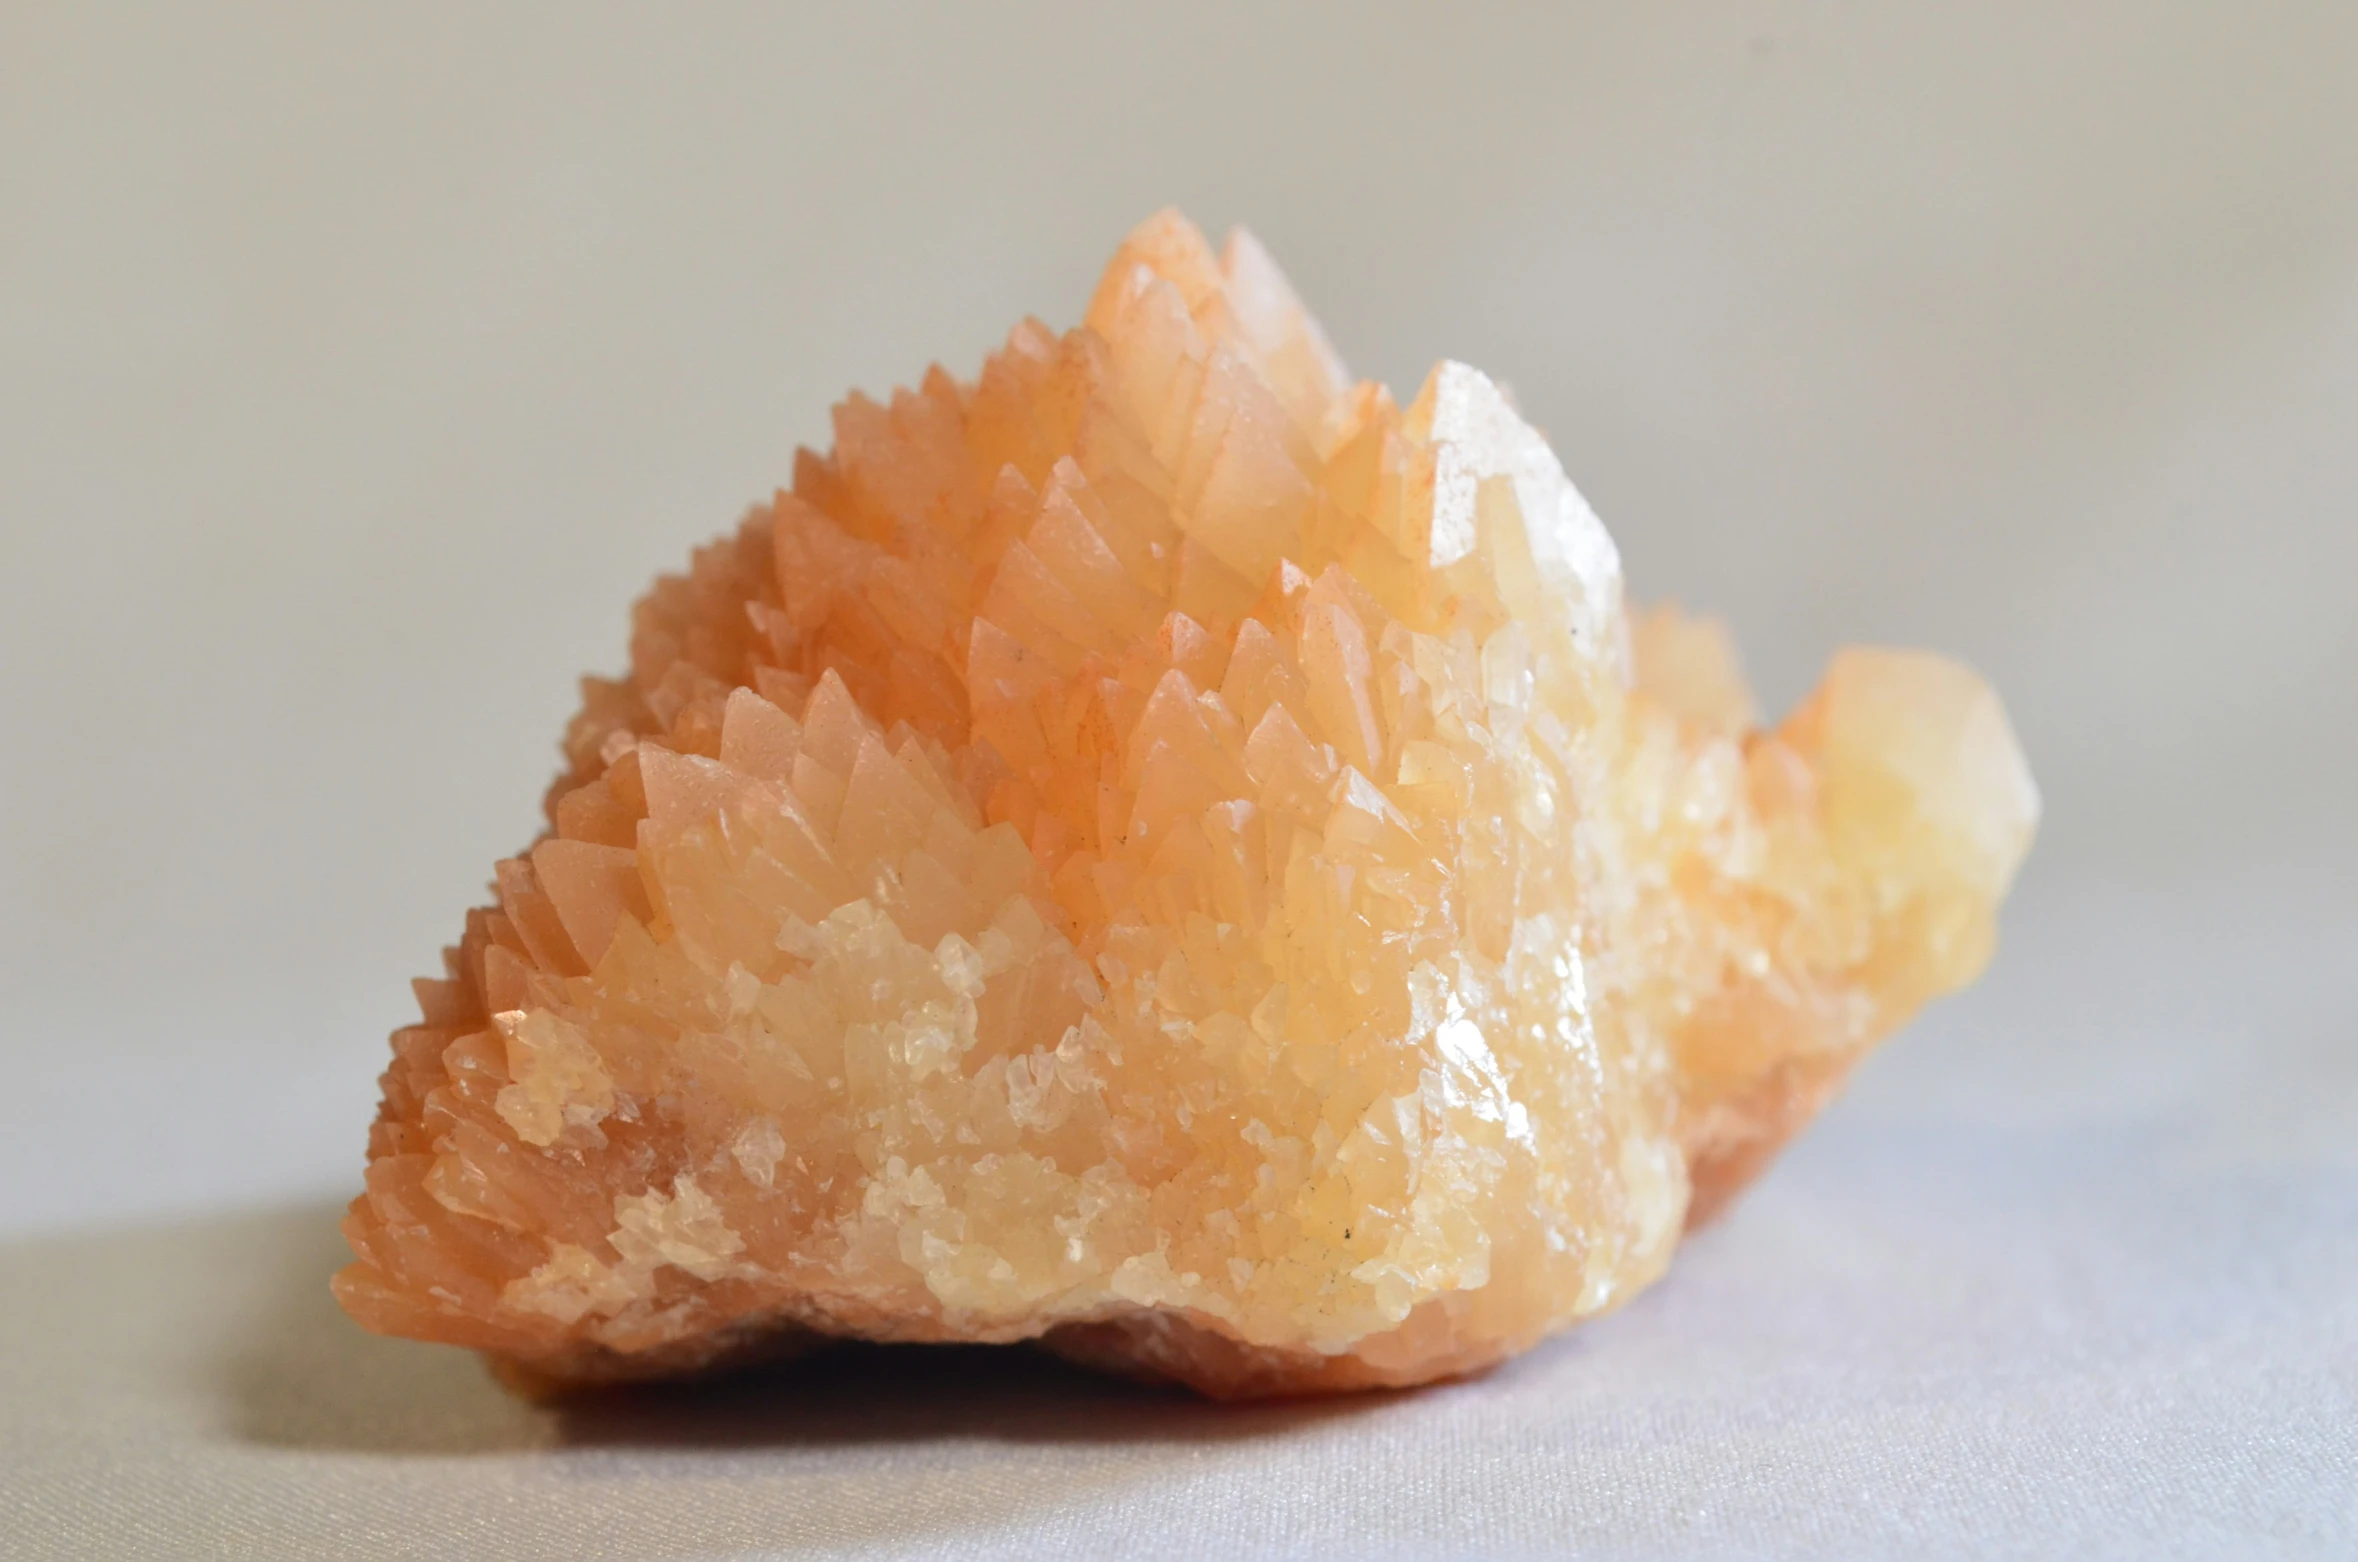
pixel 1162 851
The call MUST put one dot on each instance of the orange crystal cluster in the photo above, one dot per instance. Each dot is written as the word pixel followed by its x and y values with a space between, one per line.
pixel 1164 852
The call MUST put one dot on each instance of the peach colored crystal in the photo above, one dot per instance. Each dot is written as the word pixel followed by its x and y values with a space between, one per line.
pixel 1161 851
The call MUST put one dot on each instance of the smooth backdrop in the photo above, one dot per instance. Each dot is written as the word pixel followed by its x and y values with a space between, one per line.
pixel 358 364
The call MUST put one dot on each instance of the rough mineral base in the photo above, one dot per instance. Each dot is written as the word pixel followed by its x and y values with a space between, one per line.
pixel 1161 851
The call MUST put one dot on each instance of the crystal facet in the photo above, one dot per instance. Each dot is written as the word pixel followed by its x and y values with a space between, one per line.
pixel 1162 851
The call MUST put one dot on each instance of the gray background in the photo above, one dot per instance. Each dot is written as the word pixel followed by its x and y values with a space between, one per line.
pixel 357 367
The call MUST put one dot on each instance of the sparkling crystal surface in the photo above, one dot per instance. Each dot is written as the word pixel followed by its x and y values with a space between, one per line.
pixel 1163 851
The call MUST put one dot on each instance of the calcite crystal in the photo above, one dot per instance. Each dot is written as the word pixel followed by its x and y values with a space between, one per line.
pixel 1164 852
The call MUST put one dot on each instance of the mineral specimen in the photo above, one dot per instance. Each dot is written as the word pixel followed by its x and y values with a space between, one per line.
pixel 1164 852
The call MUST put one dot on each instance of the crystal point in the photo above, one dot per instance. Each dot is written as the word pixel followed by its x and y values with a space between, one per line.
pixel 1163 852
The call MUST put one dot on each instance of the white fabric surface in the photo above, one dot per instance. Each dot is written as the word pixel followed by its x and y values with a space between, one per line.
pixel 357 366
pixel 2070 1273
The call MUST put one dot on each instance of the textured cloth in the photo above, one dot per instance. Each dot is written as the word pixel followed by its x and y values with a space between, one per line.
pixel 2070 1273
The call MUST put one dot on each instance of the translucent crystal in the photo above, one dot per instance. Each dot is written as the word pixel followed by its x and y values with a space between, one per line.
pixel 1162 851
